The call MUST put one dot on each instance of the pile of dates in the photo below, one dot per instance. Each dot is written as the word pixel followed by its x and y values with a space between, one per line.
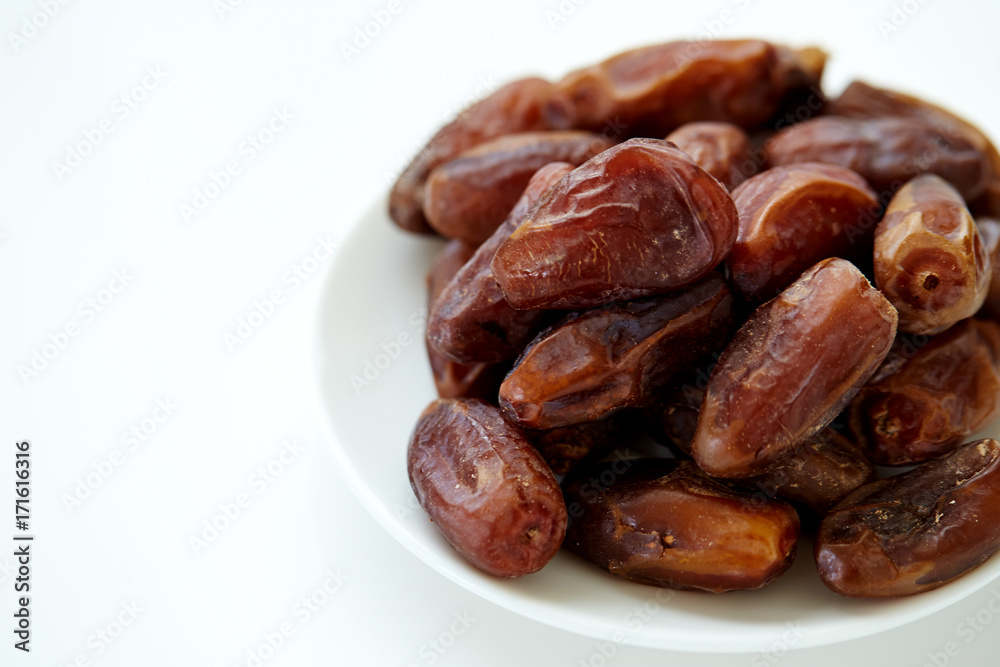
pixel 693 242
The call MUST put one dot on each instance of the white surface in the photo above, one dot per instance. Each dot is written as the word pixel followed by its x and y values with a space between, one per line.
pixel 189 284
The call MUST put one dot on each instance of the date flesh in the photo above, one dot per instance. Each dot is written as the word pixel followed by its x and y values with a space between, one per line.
pixel 471 321
pixel 525 105
pixel 887 152
pixel 930 261
pixel 791 368
pixel 721 149
pixel 486 488
pixel 452 379
pixel 989 231
pixel 468 197
pixel 790 218
pixel 662 522
pixel 653 90
pixel 591 364
pixel 947 390
pixel 917 531
pixel 639 219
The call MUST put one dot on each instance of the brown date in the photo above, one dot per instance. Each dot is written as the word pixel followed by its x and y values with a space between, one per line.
pixel 471 321
pixel 653 90
pixel 721 149
pixel 861 100
pixel 591 364
pixel 989 231
pixel 525 105
pixel 887 152
pixel 662 522
pixel 790 218
pixel 945 391
pixel 916 531
pixel 639 219
pixel 452 379
pixel 930 261
pixel 468 197
pixel 816 474
pixel 486 488
pixel 791 368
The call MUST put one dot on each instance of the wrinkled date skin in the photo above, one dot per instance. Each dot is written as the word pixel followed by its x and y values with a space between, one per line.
pixel 471 321
pixel 721 149
pixel 486 488
pixel 452 379
pixel 468 197
pixel 651 91
pixel 564 448
pixel 816 474
pixel 790 218
pixel 947 390
pixel 639 219
pixel 591 364
pixel 930 261
pixel 525 105
pixel 662 522
pixel 861 100
pixel 917 531
pixel 791 368
pixel 887 152
pixel 989 231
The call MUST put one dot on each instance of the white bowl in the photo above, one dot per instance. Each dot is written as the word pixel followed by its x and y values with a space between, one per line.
pixel 373 382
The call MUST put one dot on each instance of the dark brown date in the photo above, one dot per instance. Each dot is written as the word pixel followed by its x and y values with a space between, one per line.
pixel 790 218
pixel 639 219
pixel 452 379
pixel 930 261
pixel 887 152
pixel 916 531
pixel 486 488
pixel 861 100
pixel 662 522
pixel 721 149
pixel 989 232
pixel 791 368
pixel 816 474
pixel 525 105
pixel 946 390
pixel 591 364
pixel 468 197
pixel 653 90
pixel 471 321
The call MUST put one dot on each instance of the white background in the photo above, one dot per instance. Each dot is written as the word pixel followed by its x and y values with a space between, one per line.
pixel 350 124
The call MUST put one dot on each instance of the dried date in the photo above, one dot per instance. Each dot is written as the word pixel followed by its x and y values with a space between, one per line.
pixel 486 488
pixel 930 261
pixel 721 149
pixel 639 219
pixel 790 218
pixel 591 364
pixel 916 531
pixel 791 368
pixel 468 197
pixel 662 522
